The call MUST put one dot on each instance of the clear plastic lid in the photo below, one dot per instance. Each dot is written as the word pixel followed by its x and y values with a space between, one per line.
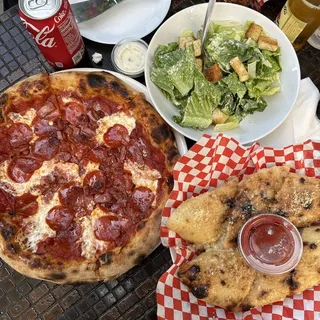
pixel 128 57
pixel 270 244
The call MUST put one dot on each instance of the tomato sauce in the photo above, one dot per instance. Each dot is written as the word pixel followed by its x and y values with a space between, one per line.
pixel 270 243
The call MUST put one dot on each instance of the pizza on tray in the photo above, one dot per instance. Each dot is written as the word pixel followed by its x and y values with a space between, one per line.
pixel 85 169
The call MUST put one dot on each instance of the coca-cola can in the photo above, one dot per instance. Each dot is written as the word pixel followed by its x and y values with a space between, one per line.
pixel 54 29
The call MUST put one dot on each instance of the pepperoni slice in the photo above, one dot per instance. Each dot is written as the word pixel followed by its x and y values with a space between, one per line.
pixel 4 145
pixel 19 134
pixel 26 205
pixel 95 181
pixel 107 228
pixel 45 148
pixel 74 199
pixel 95 115
pixel 143 152
pixel 48 111
pixel 43 127
pixel 98 154
pixel 65 245
pixel 103 104
pixel 116 136
pixel 21 169
pixel 6 201
pixel 72 112
pixel 123 181
pixel 142 198
pixel 59 218
pixel 3 157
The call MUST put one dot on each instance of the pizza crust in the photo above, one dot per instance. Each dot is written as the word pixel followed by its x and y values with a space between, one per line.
pixel 110 265
pixel 91 84
pixel 26 90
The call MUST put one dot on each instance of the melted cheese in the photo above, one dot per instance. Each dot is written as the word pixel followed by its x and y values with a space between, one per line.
pixel 97 213
pixel 89 243
pixel 143 176
pixel 70 170
pixel 109 121
pixel 70 99
pixel 26 119
pixel 91 166
pixel 35 227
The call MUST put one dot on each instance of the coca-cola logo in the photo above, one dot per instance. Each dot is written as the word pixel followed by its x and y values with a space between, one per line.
pixel 41 37
pixel 60 16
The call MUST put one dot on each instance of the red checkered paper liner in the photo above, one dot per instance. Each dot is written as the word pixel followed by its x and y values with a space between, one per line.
pixel 207 165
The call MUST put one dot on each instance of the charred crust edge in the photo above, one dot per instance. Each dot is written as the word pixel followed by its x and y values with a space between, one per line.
pixel 140 258
pixel 7 233
pixel 57 275
pixel 105 258
pixel 116 87
pixel 160 133
pixel 200 291
pixel 96 80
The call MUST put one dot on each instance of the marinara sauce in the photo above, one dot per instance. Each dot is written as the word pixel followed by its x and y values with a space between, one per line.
pixel 270 244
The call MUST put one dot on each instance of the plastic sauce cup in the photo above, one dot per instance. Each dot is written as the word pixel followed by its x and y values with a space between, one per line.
pixel 128 57
pixel 270 244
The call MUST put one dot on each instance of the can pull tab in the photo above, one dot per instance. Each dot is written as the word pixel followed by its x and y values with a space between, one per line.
pixel 36 4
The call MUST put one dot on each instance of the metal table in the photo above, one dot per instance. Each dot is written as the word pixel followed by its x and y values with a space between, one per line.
pixel 131 296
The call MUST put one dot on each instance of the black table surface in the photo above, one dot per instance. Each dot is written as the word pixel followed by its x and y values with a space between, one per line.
pixel 131 296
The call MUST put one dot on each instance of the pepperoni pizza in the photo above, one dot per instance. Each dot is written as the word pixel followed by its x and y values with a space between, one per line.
pixel 85 169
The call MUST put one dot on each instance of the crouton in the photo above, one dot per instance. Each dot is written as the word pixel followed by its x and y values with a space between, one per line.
pixel 218 116
pixel 214 73
pixel 196 47
pixel 182 41
pixel 267 43
pixel 199 64
pixel 254 31
pixel 240 69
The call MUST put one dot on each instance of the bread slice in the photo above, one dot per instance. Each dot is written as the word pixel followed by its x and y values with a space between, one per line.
pixel 200 219
pixel 219 277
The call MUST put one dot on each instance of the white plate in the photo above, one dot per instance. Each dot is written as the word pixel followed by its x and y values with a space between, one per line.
pixel 130 18
pixel 254 126
pixel 135 85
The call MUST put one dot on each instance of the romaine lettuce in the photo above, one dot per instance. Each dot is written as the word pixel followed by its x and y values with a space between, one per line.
pixel 223 50
pixel 259 87
pixel 169 59
pixel 162 49
pixel 233 83
pixel 227 103
pixel 160 77
pixel 181 74
pixel 203 100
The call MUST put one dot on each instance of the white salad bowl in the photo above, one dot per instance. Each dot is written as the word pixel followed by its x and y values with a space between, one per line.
pixel 254 126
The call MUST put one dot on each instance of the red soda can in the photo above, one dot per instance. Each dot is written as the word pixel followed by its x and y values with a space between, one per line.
pixel 53 27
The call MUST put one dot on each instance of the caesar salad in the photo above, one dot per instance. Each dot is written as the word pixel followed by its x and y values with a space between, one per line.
pixel 241 67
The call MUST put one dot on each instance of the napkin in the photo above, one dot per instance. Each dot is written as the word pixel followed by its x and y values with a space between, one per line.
pixel 302 123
